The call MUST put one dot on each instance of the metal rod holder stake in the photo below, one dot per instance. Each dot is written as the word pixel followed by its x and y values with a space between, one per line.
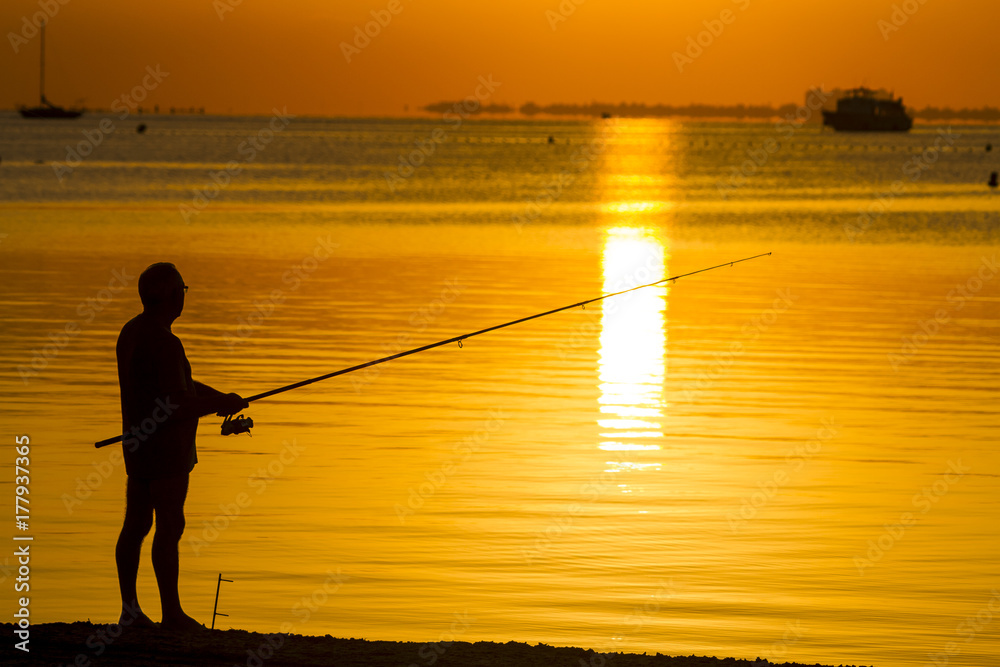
pixel 215 609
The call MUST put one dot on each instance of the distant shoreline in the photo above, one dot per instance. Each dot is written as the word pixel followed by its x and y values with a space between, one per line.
pixel 704 113
pixel 84 643
pixel 696 111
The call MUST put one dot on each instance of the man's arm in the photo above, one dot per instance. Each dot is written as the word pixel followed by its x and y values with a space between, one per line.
pixel 194 399
pixel 205 401
pixel 229 404
pixel 204 390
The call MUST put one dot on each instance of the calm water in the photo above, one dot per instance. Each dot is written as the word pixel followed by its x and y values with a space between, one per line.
pixel 792 458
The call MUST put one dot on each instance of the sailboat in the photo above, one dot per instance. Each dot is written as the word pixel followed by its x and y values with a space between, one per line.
pixel 46 109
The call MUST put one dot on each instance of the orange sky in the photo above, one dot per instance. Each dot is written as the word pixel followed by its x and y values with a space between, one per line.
pixel 265 53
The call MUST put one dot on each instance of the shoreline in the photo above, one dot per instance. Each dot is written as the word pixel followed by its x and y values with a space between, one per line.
pixel 83 644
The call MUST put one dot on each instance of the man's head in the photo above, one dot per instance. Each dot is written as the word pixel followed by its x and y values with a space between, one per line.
pixel 161 290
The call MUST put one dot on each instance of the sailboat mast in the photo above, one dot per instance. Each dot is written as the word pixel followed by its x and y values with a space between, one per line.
pixel 46 109
pixel 41 82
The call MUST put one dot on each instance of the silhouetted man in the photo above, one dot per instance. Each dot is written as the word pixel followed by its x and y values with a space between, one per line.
pixel 161 405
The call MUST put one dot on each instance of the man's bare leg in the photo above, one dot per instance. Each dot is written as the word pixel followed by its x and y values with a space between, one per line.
pixel 168 497
pixel 138 520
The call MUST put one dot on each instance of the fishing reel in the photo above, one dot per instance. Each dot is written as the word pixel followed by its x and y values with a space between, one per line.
pixel 241 424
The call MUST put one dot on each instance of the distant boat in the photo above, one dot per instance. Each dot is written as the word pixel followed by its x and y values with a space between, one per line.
pixel 863 110
pixel 46 109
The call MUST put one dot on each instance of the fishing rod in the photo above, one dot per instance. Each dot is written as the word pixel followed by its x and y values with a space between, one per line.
pixel 243 424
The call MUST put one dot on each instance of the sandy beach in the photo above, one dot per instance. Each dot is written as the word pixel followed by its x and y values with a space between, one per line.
pixel 85 644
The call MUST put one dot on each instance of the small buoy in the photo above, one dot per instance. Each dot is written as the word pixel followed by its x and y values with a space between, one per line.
pixel 552 139
pixel 140 128
pixel 989 147
pixel 993 180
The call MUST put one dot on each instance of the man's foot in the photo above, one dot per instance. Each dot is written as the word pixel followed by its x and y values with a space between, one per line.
pixel 181 623
pixel 134 618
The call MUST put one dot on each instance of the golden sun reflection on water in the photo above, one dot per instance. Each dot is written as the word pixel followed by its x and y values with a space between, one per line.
pixel 638 207
pixel 633 350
